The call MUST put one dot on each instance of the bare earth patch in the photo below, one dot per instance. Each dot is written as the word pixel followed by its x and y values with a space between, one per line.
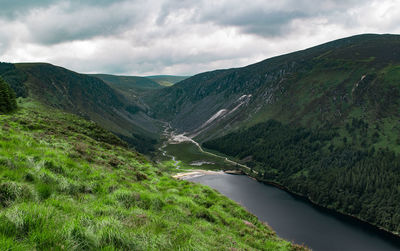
pixel 194 173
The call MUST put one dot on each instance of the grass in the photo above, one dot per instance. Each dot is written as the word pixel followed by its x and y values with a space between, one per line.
pixel 188 153
pixel 66 184
pixel 165 83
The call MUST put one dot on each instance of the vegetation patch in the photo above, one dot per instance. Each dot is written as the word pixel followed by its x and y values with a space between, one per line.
pixel 189 154
pixel 346 170
pixel 7 98
pixel 52 196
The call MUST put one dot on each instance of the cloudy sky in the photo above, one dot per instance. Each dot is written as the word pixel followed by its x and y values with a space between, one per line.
pixel 180 37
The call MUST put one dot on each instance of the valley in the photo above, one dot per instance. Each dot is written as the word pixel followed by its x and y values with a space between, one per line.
pixel 320 123
pixel 293 216
pixel 185 152
pixel 200 125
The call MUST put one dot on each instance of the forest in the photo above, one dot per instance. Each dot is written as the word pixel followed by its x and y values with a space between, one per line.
pixel 7 98
pixel 347 174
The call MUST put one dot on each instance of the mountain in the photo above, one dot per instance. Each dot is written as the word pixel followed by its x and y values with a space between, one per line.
pixel 167 80
pixel 86 96
pixel 305 87
pixel 321 122
pixel 68 184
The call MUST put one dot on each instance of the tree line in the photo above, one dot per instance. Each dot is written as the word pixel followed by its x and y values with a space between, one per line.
pixel 7 98
pixel 334 172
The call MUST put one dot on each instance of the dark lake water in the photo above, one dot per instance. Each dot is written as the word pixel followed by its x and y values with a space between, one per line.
pixel 297 220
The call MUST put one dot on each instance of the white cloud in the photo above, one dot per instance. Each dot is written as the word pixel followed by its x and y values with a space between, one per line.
pixel 180 37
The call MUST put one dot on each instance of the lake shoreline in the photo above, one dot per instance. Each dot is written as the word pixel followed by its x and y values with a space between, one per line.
pixel 193 173
pixel 295 219
pixel 392 235
pixel 248 172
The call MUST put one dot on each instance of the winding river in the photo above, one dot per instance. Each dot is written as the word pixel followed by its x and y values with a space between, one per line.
pixel 297 220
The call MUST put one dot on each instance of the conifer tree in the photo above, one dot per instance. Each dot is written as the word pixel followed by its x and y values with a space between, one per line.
pixel 7 98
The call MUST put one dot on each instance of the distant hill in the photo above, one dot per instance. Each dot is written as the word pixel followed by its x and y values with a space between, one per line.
pixel 128 82
pixel 167 80
pixel 131 87
pixel 86 96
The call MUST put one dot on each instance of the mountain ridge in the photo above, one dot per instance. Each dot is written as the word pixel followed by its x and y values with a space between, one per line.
pixel 181 101
pixel 86 96
pixel 167 80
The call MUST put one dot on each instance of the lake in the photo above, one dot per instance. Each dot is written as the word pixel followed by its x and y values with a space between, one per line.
pixel 297 220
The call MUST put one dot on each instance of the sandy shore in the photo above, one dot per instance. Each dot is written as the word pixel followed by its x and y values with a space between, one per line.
pixel 194 173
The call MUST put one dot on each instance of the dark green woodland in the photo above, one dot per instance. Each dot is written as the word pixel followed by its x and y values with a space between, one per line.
pixel 7 98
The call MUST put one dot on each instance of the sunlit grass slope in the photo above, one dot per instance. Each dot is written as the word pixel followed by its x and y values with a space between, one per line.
pixel 66 184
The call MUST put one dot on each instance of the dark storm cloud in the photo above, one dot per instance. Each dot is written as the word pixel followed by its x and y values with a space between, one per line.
pixel 271 18
pixel 12 8
pixel 80 24
pixel 59 21
pixel 51 22
pixel 262 23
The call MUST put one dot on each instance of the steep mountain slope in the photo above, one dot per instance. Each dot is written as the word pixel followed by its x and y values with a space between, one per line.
pixel 327 83
pixel 86 96
pixel 132 88
pixel 67 184
pixel 322 122
pixel 167 80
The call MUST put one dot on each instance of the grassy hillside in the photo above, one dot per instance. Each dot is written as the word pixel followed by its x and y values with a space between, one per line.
pixel 86 96
pixel 129 85
pixel 167 80
pixel 67 184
